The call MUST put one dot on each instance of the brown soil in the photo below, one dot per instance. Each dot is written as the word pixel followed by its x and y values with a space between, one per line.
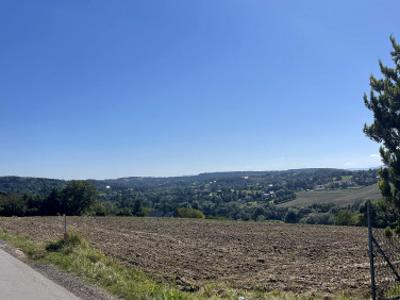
pixel 299 258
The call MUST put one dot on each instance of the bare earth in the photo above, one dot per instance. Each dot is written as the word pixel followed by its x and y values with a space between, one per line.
pixel 299 258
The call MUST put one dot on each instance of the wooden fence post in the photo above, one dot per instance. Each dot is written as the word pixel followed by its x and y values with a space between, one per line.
pixel 65 227
pixel 371 252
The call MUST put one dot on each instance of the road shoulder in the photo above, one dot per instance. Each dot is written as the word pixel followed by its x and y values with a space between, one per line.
pixel 69 282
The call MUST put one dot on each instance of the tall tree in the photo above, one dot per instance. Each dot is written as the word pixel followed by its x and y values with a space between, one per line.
pixel 384 102
pixel 77 197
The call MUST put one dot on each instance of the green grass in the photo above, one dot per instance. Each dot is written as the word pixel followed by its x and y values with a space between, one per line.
pixel 75 255
pixel 394 292
pixel 341 197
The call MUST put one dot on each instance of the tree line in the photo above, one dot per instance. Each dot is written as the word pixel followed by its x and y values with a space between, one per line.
pixel 82 198
pixel 76 198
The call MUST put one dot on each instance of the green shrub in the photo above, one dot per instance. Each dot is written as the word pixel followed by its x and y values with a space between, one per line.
pixel 146 211
pixel 66 245
pixel 318 218
pixel 186 212
pixel 345 217
pixel 388 232
pixel 292 216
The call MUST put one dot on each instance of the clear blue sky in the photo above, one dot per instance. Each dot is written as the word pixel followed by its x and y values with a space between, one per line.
pixel 103 89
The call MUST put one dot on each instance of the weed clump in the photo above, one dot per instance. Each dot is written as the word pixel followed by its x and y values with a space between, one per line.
pixel 67 245
pixel 388 232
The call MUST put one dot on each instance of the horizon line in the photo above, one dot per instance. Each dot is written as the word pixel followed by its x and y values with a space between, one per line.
pixel 191 175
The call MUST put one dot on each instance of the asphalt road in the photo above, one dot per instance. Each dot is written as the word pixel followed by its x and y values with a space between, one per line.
pixel 18 281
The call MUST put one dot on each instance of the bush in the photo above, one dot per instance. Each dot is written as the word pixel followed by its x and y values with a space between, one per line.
pixel 77 197
pixel 291 216
pixel 345 217
pixel 260 218
pixel 318 218
pixel 66 245
pixel 13 205
pixel 98 209
pixel 146 211
pixel 388 232
pixel 186 212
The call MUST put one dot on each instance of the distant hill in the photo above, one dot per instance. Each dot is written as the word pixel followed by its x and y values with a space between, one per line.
pixel 246 195
pixel 294 177
pixel 217 187
pixel 340 197
pixel 21 185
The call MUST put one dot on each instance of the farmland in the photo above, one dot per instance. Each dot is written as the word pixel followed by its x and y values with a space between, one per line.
pixel 242 255
pixel 340 197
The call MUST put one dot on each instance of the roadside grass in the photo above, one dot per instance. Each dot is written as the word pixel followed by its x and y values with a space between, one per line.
pixel 393 293
pixel 75 255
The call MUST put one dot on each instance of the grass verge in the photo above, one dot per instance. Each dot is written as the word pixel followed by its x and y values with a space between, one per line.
pixel 75 255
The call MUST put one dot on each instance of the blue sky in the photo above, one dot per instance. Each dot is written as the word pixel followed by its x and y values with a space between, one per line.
pixel 103 89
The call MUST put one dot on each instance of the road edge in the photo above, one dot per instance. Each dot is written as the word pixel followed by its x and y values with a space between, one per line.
pixel 70 282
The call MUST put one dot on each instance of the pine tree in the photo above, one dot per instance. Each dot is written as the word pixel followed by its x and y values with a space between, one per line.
pixel 384 102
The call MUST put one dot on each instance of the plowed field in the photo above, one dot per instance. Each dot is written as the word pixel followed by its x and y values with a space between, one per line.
pixel 299 258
